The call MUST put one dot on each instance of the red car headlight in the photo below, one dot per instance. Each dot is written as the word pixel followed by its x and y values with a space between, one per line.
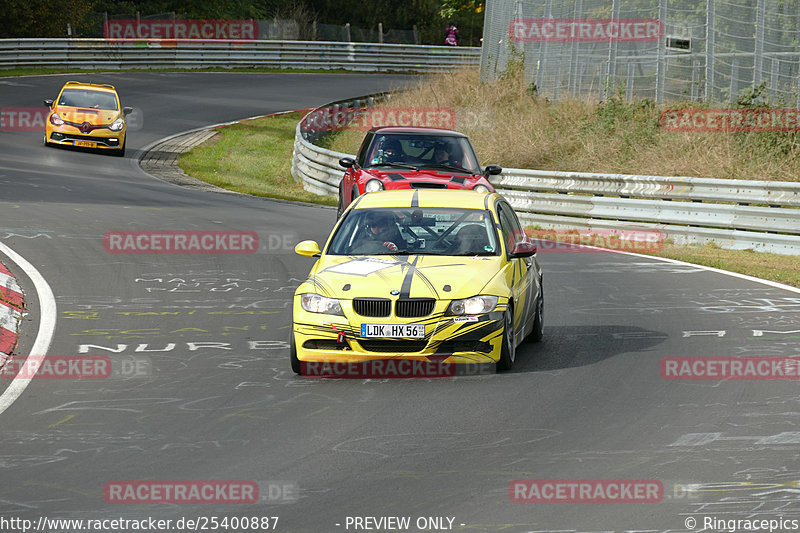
pixel 373 185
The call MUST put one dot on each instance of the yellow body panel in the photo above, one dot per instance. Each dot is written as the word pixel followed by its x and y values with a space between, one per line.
pixel 319 337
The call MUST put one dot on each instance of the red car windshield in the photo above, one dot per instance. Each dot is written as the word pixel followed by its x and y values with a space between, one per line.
pixel 443 152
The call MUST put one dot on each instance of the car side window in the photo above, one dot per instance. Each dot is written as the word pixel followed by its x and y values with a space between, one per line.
pixel 509 226
pixel 362 152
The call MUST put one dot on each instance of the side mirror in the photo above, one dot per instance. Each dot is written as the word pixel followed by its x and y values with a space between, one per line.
pixel 48 103
pixel 307 249
pixel 523 249
pixel 127 110
pixel 347 162
pixel 492 170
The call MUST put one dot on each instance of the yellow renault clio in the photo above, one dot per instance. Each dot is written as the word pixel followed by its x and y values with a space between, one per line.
pixel 87 115
pixel 423 275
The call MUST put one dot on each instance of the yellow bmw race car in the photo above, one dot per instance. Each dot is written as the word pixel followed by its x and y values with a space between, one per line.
pixel 417 276
pixel 87 115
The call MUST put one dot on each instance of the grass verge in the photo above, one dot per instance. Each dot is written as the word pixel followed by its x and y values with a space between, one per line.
pixel 513 127
pixel 252 157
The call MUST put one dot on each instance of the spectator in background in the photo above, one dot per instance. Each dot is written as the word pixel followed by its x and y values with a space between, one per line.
pixel 451 34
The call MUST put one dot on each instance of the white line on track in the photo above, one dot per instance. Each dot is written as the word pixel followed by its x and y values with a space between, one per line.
pixel 774 284
pixel 47 324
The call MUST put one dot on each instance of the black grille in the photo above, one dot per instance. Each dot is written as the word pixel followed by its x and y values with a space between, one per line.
pixel 414 307
pixel 372 306
pixel 427 185
pixel 463 346
pixel 384 346
pixel 324 344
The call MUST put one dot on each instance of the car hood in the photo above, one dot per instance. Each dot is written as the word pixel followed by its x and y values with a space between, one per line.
pixel 399 174
pixel 413 276
pixel 79 115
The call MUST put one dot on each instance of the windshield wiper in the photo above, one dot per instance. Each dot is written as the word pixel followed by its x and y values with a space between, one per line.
pixel 396 165
pixel 414 252
pixel 469 253
pixel 447 167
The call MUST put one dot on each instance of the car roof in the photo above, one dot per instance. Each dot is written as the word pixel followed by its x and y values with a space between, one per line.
pixel 417 129
pixel 87 85
pixel 426 198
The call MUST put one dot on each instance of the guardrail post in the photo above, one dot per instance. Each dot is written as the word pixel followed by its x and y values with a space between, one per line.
pixel 661 65
pixel 758 54
pixel 711 17
pixel 573 84
pixel 611 72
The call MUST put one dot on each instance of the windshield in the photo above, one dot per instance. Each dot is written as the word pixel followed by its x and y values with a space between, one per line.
pixel 430 231
pixel 88 98
pixel 419 150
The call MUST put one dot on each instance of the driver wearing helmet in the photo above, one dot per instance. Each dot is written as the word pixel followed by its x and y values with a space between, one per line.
pixel 380 234
pixel 392 151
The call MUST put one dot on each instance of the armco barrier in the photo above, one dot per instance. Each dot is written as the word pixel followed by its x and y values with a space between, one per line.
pixel 736 214
pixel 188 54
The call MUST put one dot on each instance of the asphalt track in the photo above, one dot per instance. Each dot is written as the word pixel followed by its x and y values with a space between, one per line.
pixel 587 403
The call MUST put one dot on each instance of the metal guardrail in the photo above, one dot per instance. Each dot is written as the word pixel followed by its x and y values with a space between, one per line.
pixel 365 57
pixel 685 209
pixel 315 167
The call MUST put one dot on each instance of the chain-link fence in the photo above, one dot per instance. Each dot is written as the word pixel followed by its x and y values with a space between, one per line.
pixel 666 50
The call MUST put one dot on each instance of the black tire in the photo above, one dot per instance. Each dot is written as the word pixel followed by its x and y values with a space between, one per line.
pixel 537 332
pixel 296 367
pixel 340 208
pixel 508 351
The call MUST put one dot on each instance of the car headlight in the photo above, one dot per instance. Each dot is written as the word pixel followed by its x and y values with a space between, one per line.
pixel 374 185
pixel 315 303
pixel 55 120
pixel 117 125
pixel 473 306
pixel 480 188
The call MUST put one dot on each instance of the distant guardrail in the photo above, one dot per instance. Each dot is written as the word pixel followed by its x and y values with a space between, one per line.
pixel 736 214
pixel 188 54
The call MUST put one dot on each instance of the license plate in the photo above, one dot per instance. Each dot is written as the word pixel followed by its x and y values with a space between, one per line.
pixel 393 331
pixel 85 144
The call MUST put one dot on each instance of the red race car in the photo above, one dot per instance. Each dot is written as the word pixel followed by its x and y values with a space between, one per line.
pixel 412 158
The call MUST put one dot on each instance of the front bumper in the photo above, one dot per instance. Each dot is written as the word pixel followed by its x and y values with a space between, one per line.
pixel 103 139
pixel 448 339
